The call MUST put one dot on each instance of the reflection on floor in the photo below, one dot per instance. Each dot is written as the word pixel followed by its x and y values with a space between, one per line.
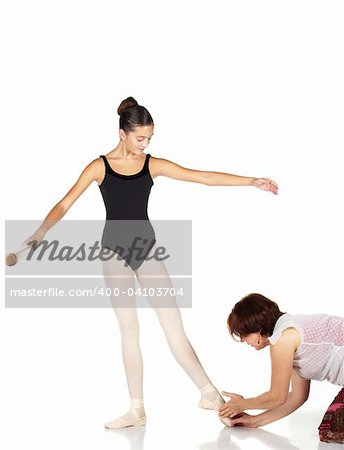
pixel 303 436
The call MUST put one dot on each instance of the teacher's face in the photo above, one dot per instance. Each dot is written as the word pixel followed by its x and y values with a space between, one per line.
pixel 256 340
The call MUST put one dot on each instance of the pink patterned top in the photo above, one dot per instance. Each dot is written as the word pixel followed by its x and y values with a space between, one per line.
pixel 320 355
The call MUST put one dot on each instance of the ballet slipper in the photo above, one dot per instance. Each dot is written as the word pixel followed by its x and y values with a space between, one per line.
pixel 208 404
pixel 226 421
pixel 135 417
pixel 210 398
pixel 123 423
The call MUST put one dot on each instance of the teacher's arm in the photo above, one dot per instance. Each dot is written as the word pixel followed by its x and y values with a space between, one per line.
pixel 282 354
pixel 296 398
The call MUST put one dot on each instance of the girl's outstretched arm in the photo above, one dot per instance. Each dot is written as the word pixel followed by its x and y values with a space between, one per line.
pixel 89 174
pixel 164 167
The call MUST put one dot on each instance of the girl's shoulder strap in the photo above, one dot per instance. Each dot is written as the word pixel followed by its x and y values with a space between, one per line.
pixel 106 162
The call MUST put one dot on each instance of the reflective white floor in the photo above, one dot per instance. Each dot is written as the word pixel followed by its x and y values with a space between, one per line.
pixel 199 431
pixel 209 435
pixel 60 390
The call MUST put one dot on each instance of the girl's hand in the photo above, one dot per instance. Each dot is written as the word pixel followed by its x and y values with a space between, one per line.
pixel 266 184
pixel 244 420
pixel 34 240
pixel 233 407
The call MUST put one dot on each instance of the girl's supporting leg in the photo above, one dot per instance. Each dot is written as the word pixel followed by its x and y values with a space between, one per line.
pixel 119 279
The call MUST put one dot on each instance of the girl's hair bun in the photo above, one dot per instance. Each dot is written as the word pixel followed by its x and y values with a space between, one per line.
pixel 127 103
pixel 132 115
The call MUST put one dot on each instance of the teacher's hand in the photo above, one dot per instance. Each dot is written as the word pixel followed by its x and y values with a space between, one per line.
pixel 233 407
pixel 244 420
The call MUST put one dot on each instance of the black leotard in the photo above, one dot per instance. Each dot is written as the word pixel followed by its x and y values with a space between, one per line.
pixel 126 200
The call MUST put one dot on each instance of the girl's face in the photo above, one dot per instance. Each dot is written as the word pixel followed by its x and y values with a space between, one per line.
pixel 138 140
pixel 256 340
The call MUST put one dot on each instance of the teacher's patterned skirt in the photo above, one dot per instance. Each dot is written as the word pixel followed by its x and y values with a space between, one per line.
pixel 331 428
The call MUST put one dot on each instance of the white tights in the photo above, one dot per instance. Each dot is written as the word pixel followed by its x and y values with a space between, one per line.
pixel 152 274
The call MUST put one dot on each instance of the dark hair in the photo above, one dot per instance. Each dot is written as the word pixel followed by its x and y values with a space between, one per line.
pixel 253 313
pixel 131 114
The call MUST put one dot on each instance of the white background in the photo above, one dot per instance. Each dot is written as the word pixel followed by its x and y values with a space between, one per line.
pixel 250 88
